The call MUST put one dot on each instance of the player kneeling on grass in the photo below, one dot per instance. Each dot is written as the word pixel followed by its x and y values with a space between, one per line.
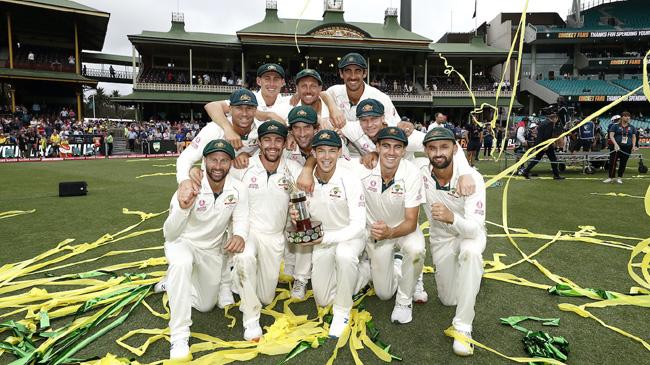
pixel 456 233
pixel 338 202
pixel 393 191
pixel 197 245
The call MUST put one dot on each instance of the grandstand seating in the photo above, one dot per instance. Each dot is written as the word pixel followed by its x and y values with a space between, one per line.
pixel 629 84
pixel 631 14
pixel 582 87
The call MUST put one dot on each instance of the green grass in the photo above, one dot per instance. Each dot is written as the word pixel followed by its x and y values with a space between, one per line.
pixel 542 206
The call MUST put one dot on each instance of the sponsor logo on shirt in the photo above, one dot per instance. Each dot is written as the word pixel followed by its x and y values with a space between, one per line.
pixel 283 183
pixel 253 184
pixel 195 142
pixel 373 186
pixel 362 201
pixel 479 208
pixel 202 206
pixel 453 193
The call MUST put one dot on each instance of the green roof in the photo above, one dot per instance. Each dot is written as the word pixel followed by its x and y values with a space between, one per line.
pixel 389 31
pixel 179 97
pixel 178 35
pixel 60 5
pixel 17 73
pixel 96 57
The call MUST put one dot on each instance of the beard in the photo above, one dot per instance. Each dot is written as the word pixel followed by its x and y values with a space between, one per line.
pixel 217 175
pixel 441 165
pixel 271 157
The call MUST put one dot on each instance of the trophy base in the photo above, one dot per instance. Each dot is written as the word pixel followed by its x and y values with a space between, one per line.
pixel 305 237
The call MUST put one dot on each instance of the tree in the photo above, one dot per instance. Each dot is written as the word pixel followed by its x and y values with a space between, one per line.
pixel 115 94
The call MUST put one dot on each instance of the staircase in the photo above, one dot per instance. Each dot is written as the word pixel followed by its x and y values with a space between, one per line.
pixel 120 146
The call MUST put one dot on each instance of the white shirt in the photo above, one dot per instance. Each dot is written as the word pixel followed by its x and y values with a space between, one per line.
pixel 340 206
pixel 204 224
pixel 340 96
pixel 358 142
pixel 268 195
pixel 388 206
pixel 194 152
pixel 469 212
pixel 434 125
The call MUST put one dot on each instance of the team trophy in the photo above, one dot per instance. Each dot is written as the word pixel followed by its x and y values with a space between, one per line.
pixel 305 231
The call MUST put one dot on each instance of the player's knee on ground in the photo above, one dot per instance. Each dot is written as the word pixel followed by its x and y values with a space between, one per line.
pixel 204 307
pixel 245 265
pixel 179 262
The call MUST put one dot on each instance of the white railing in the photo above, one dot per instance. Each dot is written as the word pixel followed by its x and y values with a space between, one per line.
pixel 412 97
pixel 96 72
pixel 186 87
pixel 488 93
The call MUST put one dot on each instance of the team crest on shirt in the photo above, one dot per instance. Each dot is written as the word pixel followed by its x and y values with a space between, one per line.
pixel 398 190
pixel 230 200
pixel 283 183
pixel 202 206
pixel 335 192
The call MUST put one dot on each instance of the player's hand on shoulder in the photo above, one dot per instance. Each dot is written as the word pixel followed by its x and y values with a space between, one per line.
pixel 337 118
pixel 305 181
pixel 241 161
pixel 369 160
pixel 466 185
pixel 233 138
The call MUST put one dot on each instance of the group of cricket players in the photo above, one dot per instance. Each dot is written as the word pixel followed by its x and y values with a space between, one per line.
pixel 348 150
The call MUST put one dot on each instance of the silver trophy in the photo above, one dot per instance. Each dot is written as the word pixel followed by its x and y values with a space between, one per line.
pixel 305 231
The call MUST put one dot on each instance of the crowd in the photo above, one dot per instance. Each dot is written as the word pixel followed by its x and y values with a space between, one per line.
pixel 137 134
pixel 175 76
pixel 44 58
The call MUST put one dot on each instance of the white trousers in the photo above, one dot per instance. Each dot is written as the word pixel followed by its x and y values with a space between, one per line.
pixel 335 273
pixel 193 280
pixel 267 251
pixel 297 261
pixel 385 279
pixel 459 268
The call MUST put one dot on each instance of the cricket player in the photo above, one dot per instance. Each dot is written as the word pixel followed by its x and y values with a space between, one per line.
pixel 393 192
pixel 267 179
pixel 243 106
pixel 337 202
pixel 197 245
pixel 457 232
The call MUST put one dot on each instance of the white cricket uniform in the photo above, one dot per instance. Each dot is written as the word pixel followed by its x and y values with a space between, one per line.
pixel 389 206
pixel 416 144
pixel 340 95
pixel 362 144
pixel 434 125
pixel 194 240
pixel 268 207
pixel 281 106
pixel 340 205
pixel 457 248
pixel 210 132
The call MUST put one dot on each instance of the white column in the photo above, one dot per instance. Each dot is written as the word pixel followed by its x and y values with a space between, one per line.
pixel 133 63
pixel 191 82
pixel 471 72
pixel 243 70
pixel 192 115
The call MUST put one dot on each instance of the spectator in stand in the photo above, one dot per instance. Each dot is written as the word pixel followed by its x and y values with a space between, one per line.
pixel 111 70
pixel 109 144
pixel 71 60
pixel 132 136
pixel 31 59
pixel 180 141
pixel 55 142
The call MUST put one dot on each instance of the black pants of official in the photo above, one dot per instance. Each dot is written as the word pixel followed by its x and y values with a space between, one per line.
pixel 550 153
pixel 621 156
pixel 110 149
pixel 487 148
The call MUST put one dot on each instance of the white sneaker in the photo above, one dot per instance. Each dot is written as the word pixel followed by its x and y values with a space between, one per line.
pixel 225 296
pixel 160 286
pixel 463 348
pixel 253 331
pixel 608 180
pixel 180 350
pixel 298 289
pixel 338 325
pixel 402 313
pixel 619 180
pixel 420 295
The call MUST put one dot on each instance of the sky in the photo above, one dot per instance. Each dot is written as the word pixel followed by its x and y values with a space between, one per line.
pixel 431 18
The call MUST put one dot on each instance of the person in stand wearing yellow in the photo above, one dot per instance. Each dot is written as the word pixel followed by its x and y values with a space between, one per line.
pixel 55 142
